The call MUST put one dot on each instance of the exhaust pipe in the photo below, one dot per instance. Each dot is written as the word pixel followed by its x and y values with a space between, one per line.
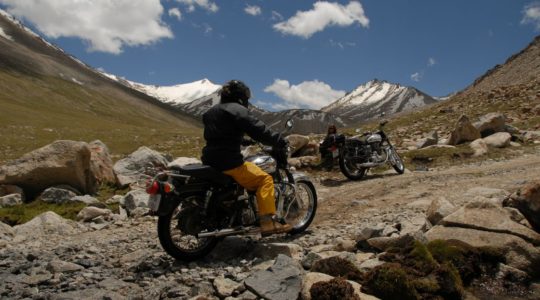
pixel 369 165
pixel 229 231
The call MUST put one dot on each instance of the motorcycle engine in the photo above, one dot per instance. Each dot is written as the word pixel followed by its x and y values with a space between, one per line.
pixel 374 140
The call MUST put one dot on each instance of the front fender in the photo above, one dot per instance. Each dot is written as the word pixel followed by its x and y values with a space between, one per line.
pixel 301 176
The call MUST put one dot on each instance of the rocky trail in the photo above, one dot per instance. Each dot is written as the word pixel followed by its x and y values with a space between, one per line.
pixel 61 259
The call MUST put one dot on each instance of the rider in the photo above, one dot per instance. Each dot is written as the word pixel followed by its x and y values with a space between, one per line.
pixel 224 127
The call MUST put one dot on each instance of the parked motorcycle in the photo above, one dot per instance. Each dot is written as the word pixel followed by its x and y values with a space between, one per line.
pixel 368 150
pixel 197 205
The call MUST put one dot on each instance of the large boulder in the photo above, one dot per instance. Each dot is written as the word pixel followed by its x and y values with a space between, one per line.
pixel 136 199
pixel 490 124
pixel 517 252
pixel 498 140
pixel 297 142
pixel 488 216
pixel 527 201
pixel 134 167
pixel 464 132
pixel 62 162
pixel 101 163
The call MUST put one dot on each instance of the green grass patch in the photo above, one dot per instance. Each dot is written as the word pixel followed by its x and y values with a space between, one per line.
pixel 20 214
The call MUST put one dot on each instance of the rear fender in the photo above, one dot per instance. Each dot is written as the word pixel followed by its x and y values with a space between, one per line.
pixel 171 200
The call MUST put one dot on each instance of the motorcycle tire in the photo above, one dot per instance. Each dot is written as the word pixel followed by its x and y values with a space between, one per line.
pixel 304 223
pixel 171 244
pixel 397 162
pixel 346 170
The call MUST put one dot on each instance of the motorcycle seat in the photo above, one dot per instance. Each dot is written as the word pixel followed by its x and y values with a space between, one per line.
pixel 203 172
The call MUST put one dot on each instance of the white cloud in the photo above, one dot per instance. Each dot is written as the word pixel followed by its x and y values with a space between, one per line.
pixel 308 94
pixel 416 77
pixel 175 12
pixel 323 14
pixel 253 10
pixel 205 4
pixel 107 26
pixel 531 15
pixel 431 62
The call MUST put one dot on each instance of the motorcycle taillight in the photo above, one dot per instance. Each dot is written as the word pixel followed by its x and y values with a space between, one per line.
pixel 153 188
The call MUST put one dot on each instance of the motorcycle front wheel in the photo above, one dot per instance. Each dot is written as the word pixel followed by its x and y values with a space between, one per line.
pixel 396 161
pixel 300 209
pixel 349 169
pixel 178 231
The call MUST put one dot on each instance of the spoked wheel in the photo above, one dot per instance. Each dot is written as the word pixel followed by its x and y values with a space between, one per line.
pixel 178 231
pixel 396 161
pixel 300 208
pixel 349 168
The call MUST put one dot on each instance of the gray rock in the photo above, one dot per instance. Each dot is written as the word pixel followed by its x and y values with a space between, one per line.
pixel 88 213
pixel 282 281
pixel 431 139
pixel 88 293
pixel 383 243
pixel 6 231
pixel 116 199
pixel 11 200
pixel 271 250
pixel 87 199
pixel 59 266
pixel 464 132
pixel 297 142
pixel 133 168
pixel 527 201
pixel 57 195
pixel 518 253
pixel 490 124
pixel 417 224
pixel 182 161
pixel 62 162
pixel 45 223
pixel 530 136
pixel 439 209
pixel 479 147
pixel 498 140
pixel 226 287
pixel 135 199
pixel 8 189
pixel 489 217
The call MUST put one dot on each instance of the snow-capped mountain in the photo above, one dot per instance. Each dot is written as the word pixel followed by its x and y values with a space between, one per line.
pixel 375 97
pixel 174 95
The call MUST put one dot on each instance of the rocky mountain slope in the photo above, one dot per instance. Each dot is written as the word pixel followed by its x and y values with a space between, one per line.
pixel 375 97
pixel 512 88
pixel 48 95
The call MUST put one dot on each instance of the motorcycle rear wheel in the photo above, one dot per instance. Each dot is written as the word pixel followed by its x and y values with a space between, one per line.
pixel 349 169
pixel 184 245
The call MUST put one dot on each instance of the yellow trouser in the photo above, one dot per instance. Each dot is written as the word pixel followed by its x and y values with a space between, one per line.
pixel 252 178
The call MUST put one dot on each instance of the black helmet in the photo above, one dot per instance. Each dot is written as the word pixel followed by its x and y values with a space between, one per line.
pixel 235 91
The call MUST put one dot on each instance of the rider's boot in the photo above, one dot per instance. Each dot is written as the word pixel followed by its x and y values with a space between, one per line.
pixel 270 224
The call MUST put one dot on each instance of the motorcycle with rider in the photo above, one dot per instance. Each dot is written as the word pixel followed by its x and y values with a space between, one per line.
pixel 228 194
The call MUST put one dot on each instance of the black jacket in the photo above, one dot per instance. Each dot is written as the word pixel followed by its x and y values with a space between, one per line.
pixel 224 127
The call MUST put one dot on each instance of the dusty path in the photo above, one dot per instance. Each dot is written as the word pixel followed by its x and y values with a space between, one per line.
pixel 344 199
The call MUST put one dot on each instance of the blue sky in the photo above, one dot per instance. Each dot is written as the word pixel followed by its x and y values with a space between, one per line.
pixel 291 53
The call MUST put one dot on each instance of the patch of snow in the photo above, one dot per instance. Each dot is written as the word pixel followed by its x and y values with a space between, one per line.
pixel 5 35
pixel 76 81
